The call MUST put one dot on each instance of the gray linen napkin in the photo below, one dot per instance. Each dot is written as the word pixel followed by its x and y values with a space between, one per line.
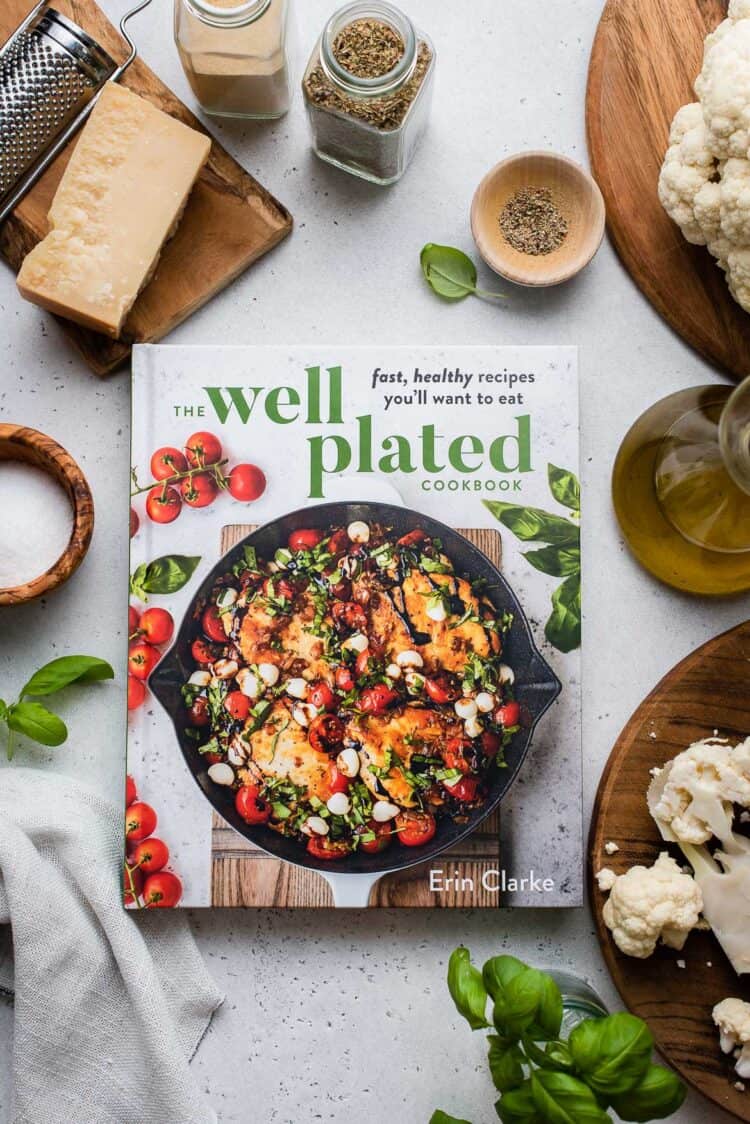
pixel 109 1008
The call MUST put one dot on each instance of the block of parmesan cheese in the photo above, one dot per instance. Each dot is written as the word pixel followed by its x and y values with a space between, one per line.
pixel 120 198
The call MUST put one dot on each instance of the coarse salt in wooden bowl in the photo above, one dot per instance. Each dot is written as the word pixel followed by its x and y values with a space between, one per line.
pixel 575 195
pixel 28 446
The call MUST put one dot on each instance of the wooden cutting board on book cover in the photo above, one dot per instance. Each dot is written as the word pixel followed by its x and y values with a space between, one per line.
pixel 710 690
pixel 230 219
pixel 646 57
pixel 243 875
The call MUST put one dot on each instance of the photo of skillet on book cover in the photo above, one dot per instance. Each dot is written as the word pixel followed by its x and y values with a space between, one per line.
pixel 354 628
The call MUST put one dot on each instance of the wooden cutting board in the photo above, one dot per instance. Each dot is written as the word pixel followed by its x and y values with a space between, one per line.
pixel 229 222
pixel 243 875
pixel 708 691
pixel 646 56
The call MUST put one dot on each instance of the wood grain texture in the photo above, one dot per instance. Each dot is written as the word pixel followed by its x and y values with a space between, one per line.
pixel 708 691
pixel 243 875
pixel 229 222
pixel 646 57
pixel 19 443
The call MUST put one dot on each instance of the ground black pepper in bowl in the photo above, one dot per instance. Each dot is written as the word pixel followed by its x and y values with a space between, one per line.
pixel 531 222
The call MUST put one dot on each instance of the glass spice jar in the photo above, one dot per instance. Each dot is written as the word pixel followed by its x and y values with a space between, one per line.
pixel 368 90
pixel 234 54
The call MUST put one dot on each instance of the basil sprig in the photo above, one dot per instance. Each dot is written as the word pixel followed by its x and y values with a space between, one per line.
pixel 36 721
pixel 452 274
pixel 542 1079
pixel 162 576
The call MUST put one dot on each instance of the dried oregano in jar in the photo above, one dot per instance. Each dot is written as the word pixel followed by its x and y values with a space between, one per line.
pixel 368 88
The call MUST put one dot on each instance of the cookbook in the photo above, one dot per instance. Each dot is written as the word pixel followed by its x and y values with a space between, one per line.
pixel 354 628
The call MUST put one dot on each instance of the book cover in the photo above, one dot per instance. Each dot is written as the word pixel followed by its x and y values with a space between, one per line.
pixel 354 628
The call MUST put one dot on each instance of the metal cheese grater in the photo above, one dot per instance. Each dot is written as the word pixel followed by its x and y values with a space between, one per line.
pixel 51 74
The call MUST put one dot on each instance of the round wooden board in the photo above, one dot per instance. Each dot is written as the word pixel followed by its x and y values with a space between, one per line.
pixel 708 691
pixel 646 56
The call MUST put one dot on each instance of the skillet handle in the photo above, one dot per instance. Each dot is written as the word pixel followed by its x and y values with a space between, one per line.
pixel 351 891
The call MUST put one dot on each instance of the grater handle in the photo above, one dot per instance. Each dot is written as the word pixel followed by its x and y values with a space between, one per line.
pixel 67 134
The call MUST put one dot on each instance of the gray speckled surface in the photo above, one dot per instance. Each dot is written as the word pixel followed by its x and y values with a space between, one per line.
pixel 331 1017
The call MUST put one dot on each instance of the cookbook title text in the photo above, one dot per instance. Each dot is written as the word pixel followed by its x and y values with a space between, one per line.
pixel 321 404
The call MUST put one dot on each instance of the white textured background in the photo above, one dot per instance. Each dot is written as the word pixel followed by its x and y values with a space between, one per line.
pixel 333 1017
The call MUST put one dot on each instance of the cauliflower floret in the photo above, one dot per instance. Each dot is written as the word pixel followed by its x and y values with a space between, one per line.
pixel 739 10
pixel 732 1016
pixel 723 88
pixel 648 904
pixel 689 167
pixel 738 275
pixel 693 798
pixel 735 202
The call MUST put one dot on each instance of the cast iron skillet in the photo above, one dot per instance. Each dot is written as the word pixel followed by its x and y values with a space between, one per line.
pixel 536 688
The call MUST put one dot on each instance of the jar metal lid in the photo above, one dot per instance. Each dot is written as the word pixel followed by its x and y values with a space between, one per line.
pixel 384 83
pixel 237 16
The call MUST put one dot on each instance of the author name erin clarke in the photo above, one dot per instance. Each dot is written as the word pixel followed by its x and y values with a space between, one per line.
pixel 492 881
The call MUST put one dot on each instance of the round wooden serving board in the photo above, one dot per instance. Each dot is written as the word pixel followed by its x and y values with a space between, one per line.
pixel 710 690
pixel 646 57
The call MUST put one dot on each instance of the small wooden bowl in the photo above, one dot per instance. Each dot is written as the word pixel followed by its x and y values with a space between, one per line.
pixel 575 195
pixel 18 443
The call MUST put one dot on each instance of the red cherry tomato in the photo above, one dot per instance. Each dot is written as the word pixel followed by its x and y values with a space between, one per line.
pixel 163 505
pixel 238 705
pixel 337 782
pixel 133 619
pixel 162 890
pixel 464 789
pixel 376 700
pixel 204 653
pixel 509 714
pixel 412 538
pixel 140 821
pixel 247 482
pixel 167 462
pixel 212 624
pixel 321 696
pixel 132 884
pixel 338 542
pixel 199 490
pixel 251 805
pixel 414 829
pixel 362 664
pixel 212 758
pixel 327 850
pixel 203 449
pixel 491 743
pixel 349 616
pixel 344 679
pixel 279 587
pixel 131 793
pixel 157 626
pixel 326 733
pixel 342 590
pixel 136 693
pixel 142 659
pixel 304 539
pixel 199 713
pixel 383 835
pixel 454 754
pixel 442 689
pixel 134 523
pixel 150 855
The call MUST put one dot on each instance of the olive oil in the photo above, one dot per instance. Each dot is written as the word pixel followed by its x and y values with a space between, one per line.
pixel 683 514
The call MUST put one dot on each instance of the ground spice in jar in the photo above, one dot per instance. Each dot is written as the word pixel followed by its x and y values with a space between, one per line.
pixel 531 223
pixel 368 48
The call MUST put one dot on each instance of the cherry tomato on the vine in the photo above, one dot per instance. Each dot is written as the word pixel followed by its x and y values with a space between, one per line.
pixel 140 821
pixel 133 618
pixel 163 505
pixel 157 626
pixel 132 884
pixel 247 482
pixel 131 793
pixel 134 523
pixel 136 693
pixel 150 855
pixel 142 659
pixel 203 449
pixel 162 890
pixel 167 462
pixel 200 490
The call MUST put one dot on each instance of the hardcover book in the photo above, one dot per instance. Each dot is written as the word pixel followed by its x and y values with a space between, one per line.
pixel 354 628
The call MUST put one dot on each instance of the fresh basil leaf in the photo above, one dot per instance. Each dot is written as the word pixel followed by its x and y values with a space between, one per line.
pixel 449 272
pixel 66 670
pixel 531 524
pixel 563 629
pixel 3 708
pixel 163 576
pixel 37 723
pixel 559 561
pixel 555 1055
pixel 565 487
pixel 562 1099
pixel 658 1094
pixel 517 1106
pixel 530 1004
pixel 467 989
pixel 440 1117
pixel 506 1063
pixel 499 971
pixel 613 1054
